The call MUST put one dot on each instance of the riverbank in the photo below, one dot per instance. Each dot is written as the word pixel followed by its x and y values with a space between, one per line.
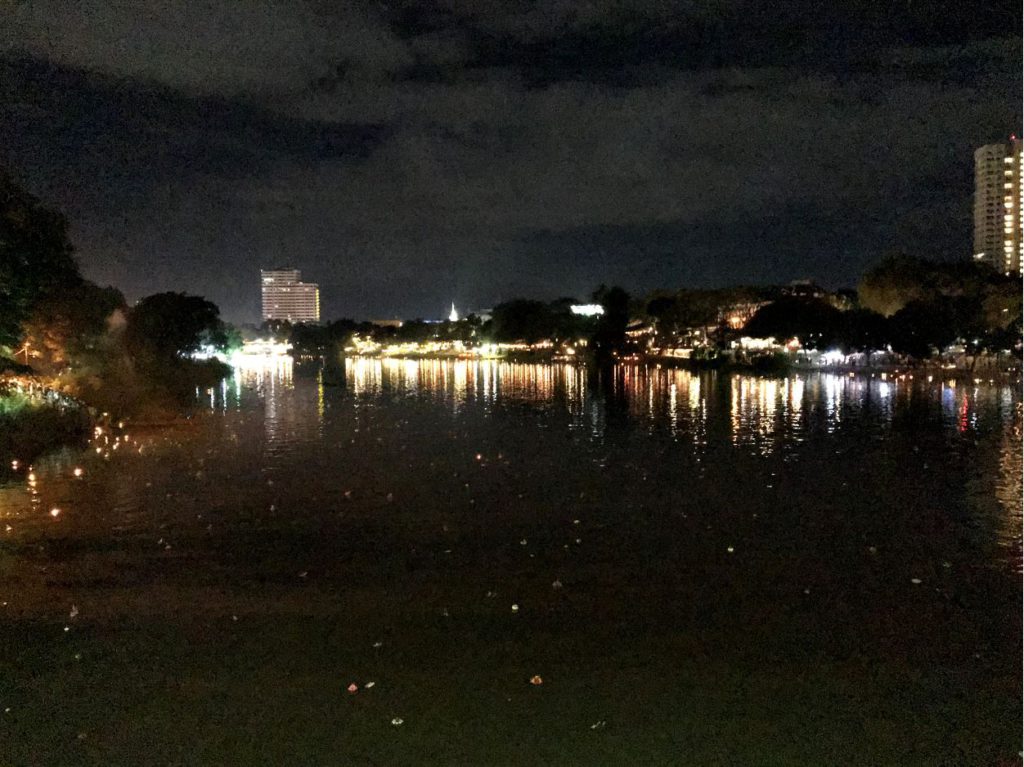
pixel 34 420
pixel 36 416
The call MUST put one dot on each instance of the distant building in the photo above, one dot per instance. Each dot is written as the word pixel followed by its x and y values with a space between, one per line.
pixel 387 323
pixel 997 205
pixel 453 316
pixel 287 297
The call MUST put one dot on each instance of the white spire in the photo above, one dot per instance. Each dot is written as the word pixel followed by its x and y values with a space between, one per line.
pixel 454 316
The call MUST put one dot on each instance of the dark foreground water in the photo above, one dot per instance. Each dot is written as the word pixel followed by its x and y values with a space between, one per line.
pixel 517 564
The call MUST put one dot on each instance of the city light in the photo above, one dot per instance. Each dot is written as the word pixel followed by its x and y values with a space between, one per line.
pixel 833 357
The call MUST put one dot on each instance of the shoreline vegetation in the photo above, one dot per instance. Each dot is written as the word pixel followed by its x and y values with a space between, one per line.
pixel 35 419
pixel 74 354
pixel 72 351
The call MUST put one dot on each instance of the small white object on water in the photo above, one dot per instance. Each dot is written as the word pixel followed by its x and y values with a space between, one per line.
pixel 54 512
pixel 369 685
pixel 398 721
pixel 515 608
pixel 915 581
pixel 557 584
pixel 74 611
pixel 730 549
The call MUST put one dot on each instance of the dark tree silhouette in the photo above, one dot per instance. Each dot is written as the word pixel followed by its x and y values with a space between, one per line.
pixel 814 322
pixel 610 333
pixel 36 259
pixel 169 325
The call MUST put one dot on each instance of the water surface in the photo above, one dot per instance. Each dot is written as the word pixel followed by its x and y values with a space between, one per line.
pixel 698 568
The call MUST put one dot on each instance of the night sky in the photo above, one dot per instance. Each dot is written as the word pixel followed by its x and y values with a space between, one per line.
pixel 405 155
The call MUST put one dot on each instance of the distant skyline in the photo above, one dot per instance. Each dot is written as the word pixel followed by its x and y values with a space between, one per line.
pixel 403 155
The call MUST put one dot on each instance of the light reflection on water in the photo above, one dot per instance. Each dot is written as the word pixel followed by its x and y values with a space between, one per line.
pixel 701 412
pixel 760 415
pixel 765 413
pixel 760 409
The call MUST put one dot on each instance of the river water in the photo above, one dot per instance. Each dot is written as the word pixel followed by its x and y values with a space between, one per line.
pixel 457 562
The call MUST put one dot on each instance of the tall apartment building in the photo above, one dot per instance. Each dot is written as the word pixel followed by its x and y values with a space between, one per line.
pixel 997 205
pixel 287 297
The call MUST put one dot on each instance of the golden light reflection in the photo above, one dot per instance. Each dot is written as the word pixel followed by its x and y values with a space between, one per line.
pixel 1010 481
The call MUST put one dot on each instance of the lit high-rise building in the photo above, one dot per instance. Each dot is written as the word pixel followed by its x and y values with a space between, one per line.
pixel 997 205
pixel 287 297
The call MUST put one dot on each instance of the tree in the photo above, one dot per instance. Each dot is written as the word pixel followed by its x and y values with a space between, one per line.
pixel 36 259
pixel 862 330
pixel 660 307
pixel 900 280
pixel 522 320
pixel 170 325
pixel 815 323
pixel 70 324
pixel 920 328
pixel 310 340
pixel 610 333
pixel 233 340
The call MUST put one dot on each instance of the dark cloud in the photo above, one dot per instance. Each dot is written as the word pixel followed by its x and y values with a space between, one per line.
pixel 408 154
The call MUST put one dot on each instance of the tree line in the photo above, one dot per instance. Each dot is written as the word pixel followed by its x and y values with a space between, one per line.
pixel 911 306
pixel 85 338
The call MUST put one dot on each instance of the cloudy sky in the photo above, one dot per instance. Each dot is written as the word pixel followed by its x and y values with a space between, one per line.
pixel 405 155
